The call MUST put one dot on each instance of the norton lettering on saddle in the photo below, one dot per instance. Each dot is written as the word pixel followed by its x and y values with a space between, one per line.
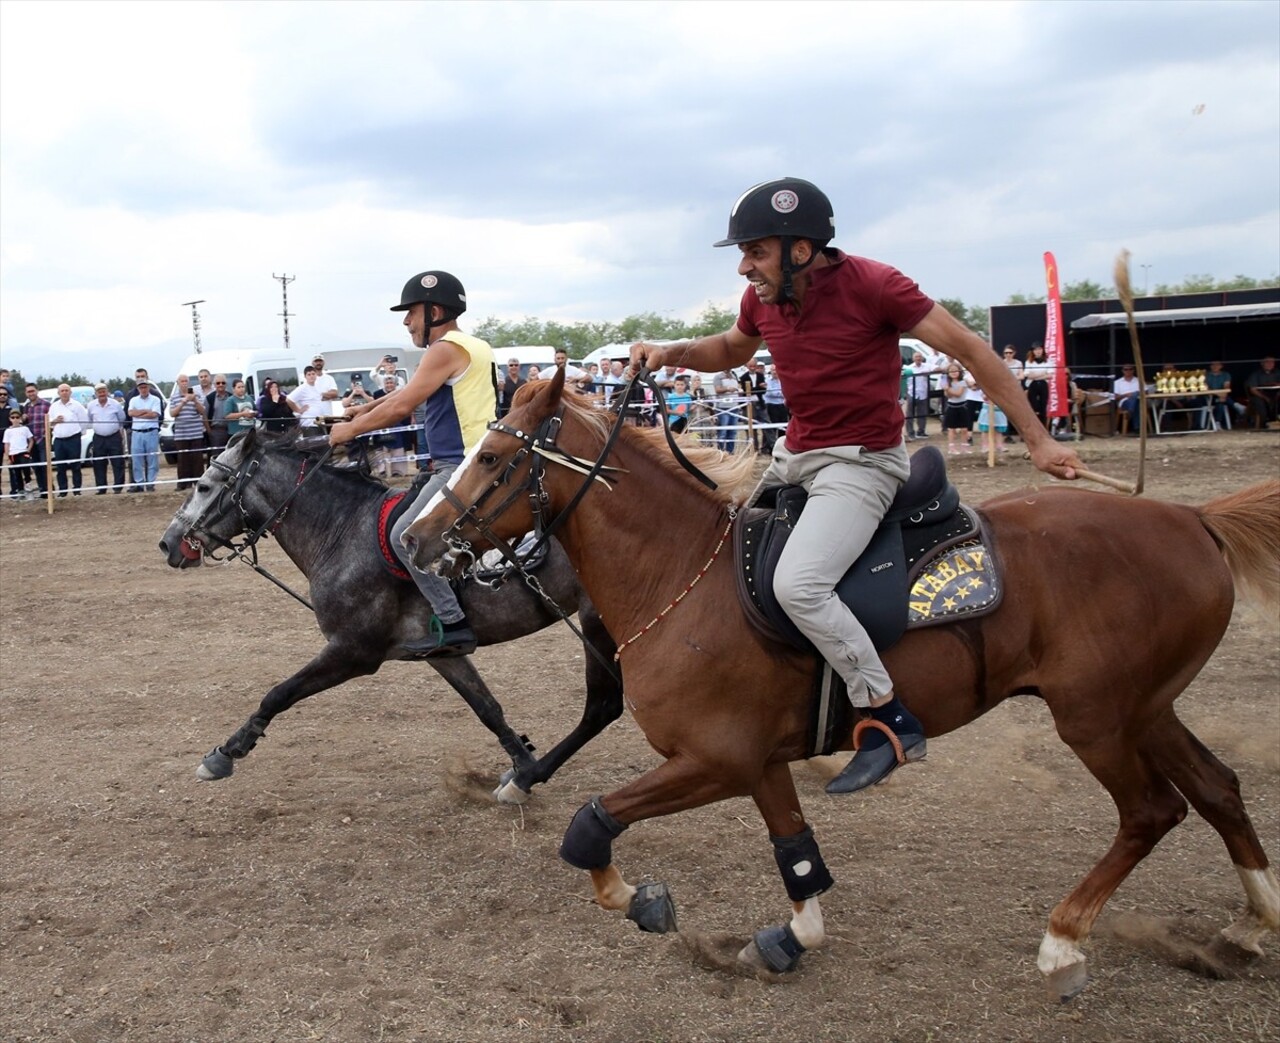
pixel 928 562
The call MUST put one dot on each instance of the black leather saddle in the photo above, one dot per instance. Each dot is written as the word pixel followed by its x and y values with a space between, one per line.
pixel 925 518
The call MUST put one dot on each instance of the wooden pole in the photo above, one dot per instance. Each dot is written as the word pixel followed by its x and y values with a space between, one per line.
pixel 48 464
pixel 1125 290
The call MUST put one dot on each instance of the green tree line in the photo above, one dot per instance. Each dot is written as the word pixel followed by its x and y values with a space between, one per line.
pixel 1088 290
pixel 581 338
pixel 47 380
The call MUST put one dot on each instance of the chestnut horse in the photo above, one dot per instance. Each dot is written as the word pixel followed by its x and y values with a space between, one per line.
pixel 1163 579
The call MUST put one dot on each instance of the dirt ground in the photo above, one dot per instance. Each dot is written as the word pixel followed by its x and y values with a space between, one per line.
pixel 353 882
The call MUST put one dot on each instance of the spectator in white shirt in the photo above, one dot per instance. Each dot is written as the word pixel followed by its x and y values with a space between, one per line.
pixel 18 440
pixel 1126 388
pixel 306 398
pixel 327 385
pixel 382 369
pixel 107 417
pixel 68 419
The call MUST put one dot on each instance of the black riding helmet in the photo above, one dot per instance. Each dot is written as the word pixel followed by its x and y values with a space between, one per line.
pixel 434 288
pixel 788 207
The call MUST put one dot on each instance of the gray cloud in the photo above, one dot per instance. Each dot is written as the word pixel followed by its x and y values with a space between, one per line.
pixel 958 142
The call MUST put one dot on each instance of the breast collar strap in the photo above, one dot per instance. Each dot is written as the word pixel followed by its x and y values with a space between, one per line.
pixel 539 447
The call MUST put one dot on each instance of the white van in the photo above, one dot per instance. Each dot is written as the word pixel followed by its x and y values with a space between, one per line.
pixel 253 365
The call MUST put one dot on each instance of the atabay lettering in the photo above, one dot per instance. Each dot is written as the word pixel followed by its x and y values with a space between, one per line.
pixel 955 583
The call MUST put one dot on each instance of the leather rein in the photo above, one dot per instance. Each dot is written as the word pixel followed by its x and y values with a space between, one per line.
pixel 539 447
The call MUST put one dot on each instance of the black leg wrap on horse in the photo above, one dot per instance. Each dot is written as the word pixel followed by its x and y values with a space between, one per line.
pixel 588 842
pixel 652 909
pixel 246 738
pixel 804 873
pixel 779 948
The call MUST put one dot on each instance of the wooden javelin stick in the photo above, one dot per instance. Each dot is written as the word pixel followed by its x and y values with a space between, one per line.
pixel 1102 479
pixel 1125 289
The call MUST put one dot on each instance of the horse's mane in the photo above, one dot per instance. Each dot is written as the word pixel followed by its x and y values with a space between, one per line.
pixel 295 442
pixel 734 474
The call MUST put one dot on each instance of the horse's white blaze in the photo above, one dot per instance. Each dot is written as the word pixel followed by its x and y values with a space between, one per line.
pixel 186 514
pixel 806 924
pixel 438 498
pixel 1057 953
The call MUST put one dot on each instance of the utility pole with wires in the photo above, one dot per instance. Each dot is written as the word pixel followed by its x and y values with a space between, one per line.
pixel 284 281
pixel 195 321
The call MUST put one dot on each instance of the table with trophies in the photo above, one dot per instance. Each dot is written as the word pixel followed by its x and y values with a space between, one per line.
pixel 1182 391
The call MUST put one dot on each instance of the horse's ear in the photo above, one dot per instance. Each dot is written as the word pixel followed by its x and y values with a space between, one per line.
pixel 248 440
pixel 556 389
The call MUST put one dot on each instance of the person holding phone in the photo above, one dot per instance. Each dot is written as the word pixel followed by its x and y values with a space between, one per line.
pixel 188 411
pixel 356 394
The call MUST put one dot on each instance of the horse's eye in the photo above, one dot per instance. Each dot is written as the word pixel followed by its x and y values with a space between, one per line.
pixel 488 459
pixel 202 487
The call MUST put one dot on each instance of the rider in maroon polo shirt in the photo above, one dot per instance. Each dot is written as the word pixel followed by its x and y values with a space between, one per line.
pixel 832 323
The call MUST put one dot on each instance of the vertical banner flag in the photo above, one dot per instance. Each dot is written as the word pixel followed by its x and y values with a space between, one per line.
pixel 1054 349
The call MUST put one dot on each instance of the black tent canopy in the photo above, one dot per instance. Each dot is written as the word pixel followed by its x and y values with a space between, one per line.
pixel 1182 316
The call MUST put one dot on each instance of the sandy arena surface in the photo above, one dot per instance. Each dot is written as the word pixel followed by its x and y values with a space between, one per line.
pixel 353 881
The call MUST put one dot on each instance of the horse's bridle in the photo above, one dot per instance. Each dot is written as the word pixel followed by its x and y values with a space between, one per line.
pixel 541 446
pixel 231 497
pixel 538 447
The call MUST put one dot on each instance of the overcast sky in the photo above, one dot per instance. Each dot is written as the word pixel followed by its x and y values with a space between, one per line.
pixel 575 161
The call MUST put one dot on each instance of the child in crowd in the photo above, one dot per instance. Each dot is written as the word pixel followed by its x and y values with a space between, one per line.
pixel 992 423
pixel 956 418
pixel 18 440
pixel 679 401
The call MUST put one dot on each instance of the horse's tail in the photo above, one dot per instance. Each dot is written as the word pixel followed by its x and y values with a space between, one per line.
pixel 1246 525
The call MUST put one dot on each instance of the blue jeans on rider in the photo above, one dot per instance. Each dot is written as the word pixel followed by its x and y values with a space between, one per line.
pixel 435 589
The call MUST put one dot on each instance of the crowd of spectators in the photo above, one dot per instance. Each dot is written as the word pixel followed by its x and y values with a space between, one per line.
pixel 962 406
pixel 125 425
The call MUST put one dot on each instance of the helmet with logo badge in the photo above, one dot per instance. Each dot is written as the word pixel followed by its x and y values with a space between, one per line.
pixel 434 288
pixel 789 208
pixel 786 206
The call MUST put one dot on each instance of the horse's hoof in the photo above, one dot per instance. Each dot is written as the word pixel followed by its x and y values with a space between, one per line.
pixel 215 765
pixel 1247 934
pixel 509 793
pixel 775 949
pixel 1066 983
pixel 652 909
pixel 750 956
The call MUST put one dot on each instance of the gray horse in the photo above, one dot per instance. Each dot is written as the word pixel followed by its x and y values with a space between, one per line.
pixel 329 528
